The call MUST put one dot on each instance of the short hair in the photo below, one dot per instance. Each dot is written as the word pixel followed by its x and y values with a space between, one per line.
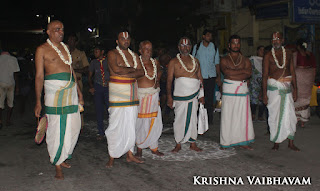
pixel 258 48
pixel 73 35
pixel 100 47
pixel 267 48
pixel 120 30
pixel 184 38
pixel 300 41
pixel 277 32
pixel 207 31
pixel 234 37
pixel 143 43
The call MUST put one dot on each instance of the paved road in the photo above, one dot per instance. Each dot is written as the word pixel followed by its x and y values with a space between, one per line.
pixel 25 165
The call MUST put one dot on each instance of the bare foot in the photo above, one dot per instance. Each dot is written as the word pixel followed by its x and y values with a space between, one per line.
pixel 221 148
pixel 275 147
pixel 65 165
pixel 293 147
pixel 132 158
pixel 194 147
pixel 157 153
pixel 246 147
pixel 177 148
pixel 110 163
pixel 59 174
pixel 139 153
pixel 302 124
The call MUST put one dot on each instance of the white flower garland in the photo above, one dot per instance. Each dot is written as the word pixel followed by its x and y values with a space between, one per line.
pixel 59 52
pixel 283 56
pixel 145 70
pixel 193 62
pixel 135 64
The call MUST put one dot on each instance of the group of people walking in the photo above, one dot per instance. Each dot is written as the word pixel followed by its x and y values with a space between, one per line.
pixel 132 83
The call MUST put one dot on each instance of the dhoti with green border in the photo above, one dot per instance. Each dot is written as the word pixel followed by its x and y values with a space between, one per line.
pixel 185 103
pixel 236 122
pixel 123 114
pixel 64 123
pixel 282 118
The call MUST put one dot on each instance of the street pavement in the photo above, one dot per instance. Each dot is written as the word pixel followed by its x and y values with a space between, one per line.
pixel 25 166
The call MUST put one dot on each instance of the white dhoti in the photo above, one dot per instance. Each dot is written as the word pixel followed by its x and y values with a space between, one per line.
pixel 64 124
pixel 149 123
pixel 185 96
pixel 123 112
pixel 236 121
pixel 282 118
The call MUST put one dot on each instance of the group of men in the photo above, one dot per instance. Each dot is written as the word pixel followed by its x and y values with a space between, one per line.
pixel 134 111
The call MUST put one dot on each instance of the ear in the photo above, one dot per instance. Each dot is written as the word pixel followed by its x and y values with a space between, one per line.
pixel 117 42
pixel 140 51
pixel 48 32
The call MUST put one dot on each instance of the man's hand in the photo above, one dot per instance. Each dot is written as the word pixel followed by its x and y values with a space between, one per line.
pixel 201 100
pixel 92 90
pixel 294 95
pixel 80 97
pixel 265 100
pixel 37 110
pixel 218 81
pixel 170 102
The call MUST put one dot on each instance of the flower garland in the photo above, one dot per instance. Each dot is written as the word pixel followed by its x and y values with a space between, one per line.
pixel 283 56
pixel 59 52
pixel 135 64
pixel 240 56
pixel 154 69
pixel 193 62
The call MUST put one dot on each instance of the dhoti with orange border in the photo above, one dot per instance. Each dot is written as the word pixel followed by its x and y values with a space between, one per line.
pixel 123 113
pixel 149 122
pixel 236 121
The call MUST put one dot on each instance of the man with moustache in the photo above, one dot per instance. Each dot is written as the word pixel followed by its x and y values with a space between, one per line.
pixel 123 99
pixel 279 92
pixel 149 123
pixel 62 96
pixel 236 121
pixel 187 90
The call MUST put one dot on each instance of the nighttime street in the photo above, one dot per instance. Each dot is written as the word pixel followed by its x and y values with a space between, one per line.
pixel 25 165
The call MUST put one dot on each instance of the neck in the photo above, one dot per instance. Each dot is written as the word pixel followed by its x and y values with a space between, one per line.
pixel 184 54
pixel 101 57
pixel 145 58
pixel 55 43
pixel 234 53
pixel 205 43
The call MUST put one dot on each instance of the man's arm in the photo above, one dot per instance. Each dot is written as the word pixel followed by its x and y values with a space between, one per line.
pixel 80 96
pixel 169 83
pixel 265 75
pixel 91 90
pixel 159 73
pixel 201 97
pixel 294 80
pixel 120 70
pixel 39 77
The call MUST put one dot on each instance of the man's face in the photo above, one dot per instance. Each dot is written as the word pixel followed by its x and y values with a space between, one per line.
pixel 185 46
pixel 260 52
pixel 56 31
pixel 123 40
pixel 72 41
pixel 277 40
pixel 207 37
pixel 146 50
pixel 235 45
pixel 98 53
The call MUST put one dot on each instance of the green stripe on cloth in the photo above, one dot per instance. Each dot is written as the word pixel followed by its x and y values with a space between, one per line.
pixel 282 104
pixel 178 98
pixel 291 137
pixel 281 91
pixel 63 123
pixel 61 110
pixel 230 94
pixel 244 143
pixel 62 92
pixel 59 76
pixel 189 111
pixel 122 104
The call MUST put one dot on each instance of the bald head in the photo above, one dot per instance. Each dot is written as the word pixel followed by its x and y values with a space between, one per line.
pixel 52 23
pixel 55 31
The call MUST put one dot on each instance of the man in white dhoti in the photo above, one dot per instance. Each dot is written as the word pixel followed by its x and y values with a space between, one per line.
pixel 149 123
pixel 277 80
pixel 123 100
pixel 236 122
pixel 187 90
pixel 62 97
